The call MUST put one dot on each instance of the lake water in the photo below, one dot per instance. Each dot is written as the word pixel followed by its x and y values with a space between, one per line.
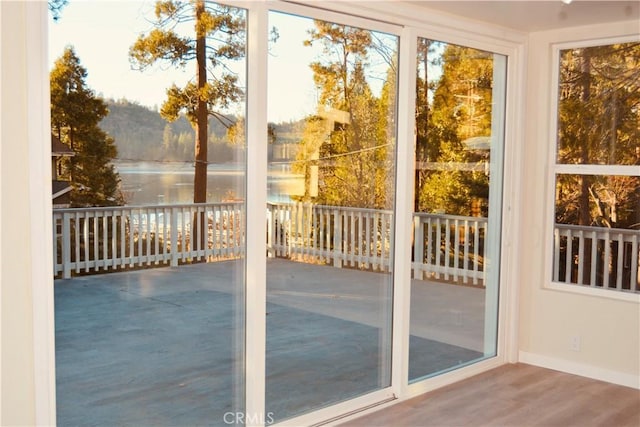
pixel 157 183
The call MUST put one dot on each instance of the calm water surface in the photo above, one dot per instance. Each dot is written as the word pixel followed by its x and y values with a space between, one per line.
pixel 156 183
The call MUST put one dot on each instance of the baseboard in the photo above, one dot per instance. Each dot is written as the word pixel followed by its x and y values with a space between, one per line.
pixel 614 377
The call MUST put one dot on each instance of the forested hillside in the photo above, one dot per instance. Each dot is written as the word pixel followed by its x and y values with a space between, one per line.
pixel 141 134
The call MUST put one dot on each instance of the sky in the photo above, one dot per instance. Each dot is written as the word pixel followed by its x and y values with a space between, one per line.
pixel 101 33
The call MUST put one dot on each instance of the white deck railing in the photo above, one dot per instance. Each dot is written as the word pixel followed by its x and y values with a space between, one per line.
pixel 341 236
pixel 94 239
pixel 101 239
pixel 597 257
pixel 452 247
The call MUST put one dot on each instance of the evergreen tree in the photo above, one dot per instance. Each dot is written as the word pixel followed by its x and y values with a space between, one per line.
pixel 355 161
pixel 426 58
pixel 75 114
pixel 217 36
pixel 460 110
pixel 599 123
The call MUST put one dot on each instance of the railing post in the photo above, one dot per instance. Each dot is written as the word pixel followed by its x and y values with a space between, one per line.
pixel 55 244
pixel 270 232
pixel 418 248
pixel 66 246
pixel 337 239
pixel 174 237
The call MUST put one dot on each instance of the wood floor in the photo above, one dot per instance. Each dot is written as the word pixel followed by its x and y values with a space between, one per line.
pixel 516 395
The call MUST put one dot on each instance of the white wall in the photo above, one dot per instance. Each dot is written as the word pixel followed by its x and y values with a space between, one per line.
pixel 18 391
pixel 25 225
pixel 609 329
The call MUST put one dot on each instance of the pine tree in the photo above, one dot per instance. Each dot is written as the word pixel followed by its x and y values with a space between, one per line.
pixel 599 123
pixel 460 109
pixel 75 114
pixel 355 160
pixel 217 36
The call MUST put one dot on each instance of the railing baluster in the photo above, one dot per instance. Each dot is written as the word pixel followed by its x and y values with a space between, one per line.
pixel 96 243
pixel 229 232
pixel 634 280
pixel 304 231
pixel 418 248
pixel 316 233
pixel 568 258
pixel 123 240
pixel 465 260
pixel 580 278
pixel 376 234
pixel 66 246
pixel 85 238
pixel 367 239
pixel 476 251
pixel 321 234
pixel 54 239
pixel 131 246
pixel 185 223
pixel 620 258
pixel 606 262
pixel 438 247
pixel 156 235
pixel 429 258
pixel 447 248
pixel 174 237
pixel 594 258
pixel 166 238
pixel 147 229
pixel 105 240
pixel 114 240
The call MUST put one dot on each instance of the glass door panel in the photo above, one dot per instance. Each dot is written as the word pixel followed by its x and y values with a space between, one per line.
pixel 332 91
pixel 149 293
pixel 457 206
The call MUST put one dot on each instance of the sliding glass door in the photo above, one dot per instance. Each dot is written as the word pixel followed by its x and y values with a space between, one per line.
pixel 168 304
pixel 460 102
pixel 332 91
pixel 150 271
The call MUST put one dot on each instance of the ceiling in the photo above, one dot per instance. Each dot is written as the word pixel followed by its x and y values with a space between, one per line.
pixel 539 15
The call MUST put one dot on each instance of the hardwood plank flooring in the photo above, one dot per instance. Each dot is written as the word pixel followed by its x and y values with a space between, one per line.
pixel 516 395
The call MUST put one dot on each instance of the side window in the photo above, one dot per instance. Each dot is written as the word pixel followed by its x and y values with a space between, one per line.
pixel 597 167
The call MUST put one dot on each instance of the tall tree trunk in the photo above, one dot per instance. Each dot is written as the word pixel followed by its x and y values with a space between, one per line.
pixel 421 128
pixel 200 179
pixel 201 160
pixel 585 216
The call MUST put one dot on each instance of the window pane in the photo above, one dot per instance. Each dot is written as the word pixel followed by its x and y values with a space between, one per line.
pixel 332 91
pixel 599 99
pixel 598 201
pixel 596 235
pixel 459 108
pixel 149 298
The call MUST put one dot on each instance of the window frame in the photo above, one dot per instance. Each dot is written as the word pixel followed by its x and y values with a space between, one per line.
pixel 555 168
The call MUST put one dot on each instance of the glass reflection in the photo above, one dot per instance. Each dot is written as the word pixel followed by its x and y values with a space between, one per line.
pixel 149 296
pixel 456 207
pixel 596 231
pixel 332 91
pixel 599 93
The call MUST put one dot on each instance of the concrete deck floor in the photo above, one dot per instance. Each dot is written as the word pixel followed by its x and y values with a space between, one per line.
pixel 160 346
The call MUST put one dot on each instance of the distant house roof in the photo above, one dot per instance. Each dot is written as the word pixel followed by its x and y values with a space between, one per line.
pixel 58 148
pixel 58 188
